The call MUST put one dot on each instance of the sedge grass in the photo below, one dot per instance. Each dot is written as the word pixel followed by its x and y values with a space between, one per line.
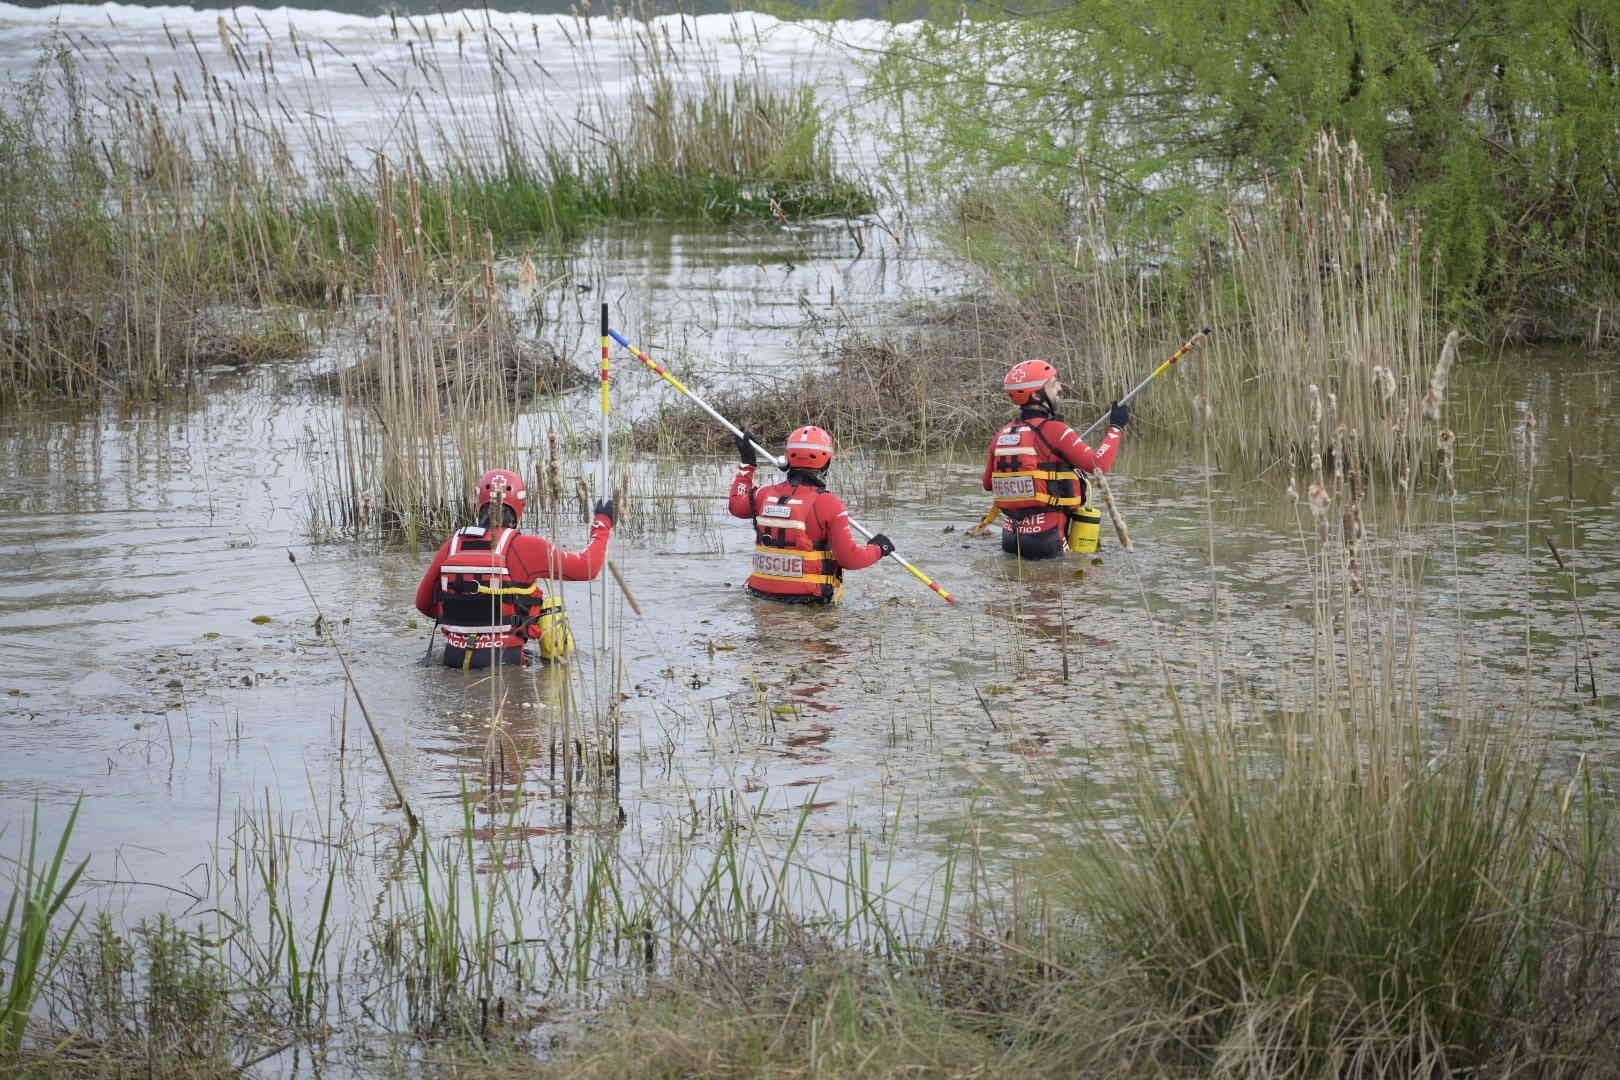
pixel 30 944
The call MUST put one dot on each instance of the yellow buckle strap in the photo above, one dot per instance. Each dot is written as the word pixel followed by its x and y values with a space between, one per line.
pixel 814 579
pixel 510 590
pixel 805 555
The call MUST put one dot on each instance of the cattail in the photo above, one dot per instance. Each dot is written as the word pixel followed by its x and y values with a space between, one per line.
pixel 528 277
pixel 1316 404
pixel 1435 399
pixel 1317 496
pixel 1120 530
pixel 1202 406
pixel 1447 453
pixel 553 468
pixel 1384 383
pixel 1293 465
pixel 1352 547
pixel 1527 444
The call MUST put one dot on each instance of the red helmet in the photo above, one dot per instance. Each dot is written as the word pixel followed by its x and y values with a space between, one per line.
pixel 809 448
pixel 1027 379
pixel 505 485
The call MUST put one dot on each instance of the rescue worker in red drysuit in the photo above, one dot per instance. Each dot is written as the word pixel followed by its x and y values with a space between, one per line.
pixel 484 584
pixel 802 539
pixel 1036 461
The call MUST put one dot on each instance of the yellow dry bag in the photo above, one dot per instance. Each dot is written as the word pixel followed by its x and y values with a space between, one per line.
pixel 555 636
pixel 1085 526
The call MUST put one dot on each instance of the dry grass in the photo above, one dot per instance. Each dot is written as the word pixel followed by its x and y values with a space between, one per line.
pixel 1321 328
pixel 128 207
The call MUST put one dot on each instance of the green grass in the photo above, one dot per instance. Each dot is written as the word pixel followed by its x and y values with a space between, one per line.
pixel 30 942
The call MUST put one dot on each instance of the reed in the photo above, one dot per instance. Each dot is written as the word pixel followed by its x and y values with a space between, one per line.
pixel 128 225
pixel 1317 282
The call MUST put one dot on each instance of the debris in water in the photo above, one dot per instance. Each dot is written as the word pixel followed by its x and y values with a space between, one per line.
pixel 259 620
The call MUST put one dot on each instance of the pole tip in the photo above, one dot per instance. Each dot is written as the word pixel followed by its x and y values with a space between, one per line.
pixel 1207 331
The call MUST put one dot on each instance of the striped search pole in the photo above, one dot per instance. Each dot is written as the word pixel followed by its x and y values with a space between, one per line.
pixel 604 486
pixel 658 369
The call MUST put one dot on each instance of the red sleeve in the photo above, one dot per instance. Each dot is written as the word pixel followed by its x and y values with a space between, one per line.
pixel 1066 441
pixel 427 593
pixel 540 558
pixel 741 503
pixel 990 464
pixel 852 554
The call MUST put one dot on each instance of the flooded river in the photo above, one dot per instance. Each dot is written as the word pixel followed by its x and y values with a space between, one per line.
pixel 162 658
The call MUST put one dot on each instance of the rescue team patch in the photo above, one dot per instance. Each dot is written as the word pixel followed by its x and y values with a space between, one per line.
pixel 474 641
pixel 1012 487
pixel 780 565
pixel 1009 439
pixel 777 510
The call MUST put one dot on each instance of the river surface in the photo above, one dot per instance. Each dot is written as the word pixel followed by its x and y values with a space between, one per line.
pixel 162 661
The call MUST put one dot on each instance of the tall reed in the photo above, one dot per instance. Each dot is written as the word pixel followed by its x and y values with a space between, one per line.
pixel 126 226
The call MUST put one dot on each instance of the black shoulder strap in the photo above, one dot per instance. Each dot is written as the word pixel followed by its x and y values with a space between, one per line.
pixel 1036 428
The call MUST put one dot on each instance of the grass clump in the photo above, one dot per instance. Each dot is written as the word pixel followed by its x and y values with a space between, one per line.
pixel 1365 899
pixel 31 945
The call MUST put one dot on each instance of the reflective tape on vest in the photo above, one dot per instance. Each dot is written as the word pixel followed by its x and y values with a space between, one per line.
pixel 778 523
pixel 1013 487
pixel 777 564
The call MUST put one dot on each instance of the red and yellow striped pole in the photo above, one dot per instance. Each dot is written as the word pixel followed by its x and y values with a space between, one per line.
pixel 604 483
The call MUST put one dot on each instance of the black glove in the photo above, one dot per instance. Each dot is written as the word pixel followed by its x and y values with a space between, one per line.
pixel 604 508
pixel 884 543
pixel 1119 414
pixel 745 449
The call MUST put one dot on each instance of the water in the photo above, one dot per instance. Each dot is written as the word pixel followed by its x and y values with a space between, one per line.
pixel 161 656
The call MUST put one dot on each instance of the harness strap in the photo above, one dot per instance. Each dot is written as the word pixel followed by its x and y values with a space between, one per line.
pixel 813 579
pixel 766 549
pixel 532 589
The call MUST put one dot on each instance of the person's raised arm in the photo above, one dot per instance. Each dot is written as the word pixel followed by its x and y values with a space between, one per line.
pixel 852 554
pixel 541 558
pixel 1066 441
pixel 741 503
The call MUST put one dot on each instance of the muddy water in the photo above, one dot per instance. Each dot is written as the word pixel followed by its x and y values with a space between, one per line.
pixel 161 657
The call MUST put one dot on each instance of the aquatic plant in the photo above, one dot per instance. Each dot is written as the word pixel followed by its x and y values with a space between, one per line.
pixel 31 945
